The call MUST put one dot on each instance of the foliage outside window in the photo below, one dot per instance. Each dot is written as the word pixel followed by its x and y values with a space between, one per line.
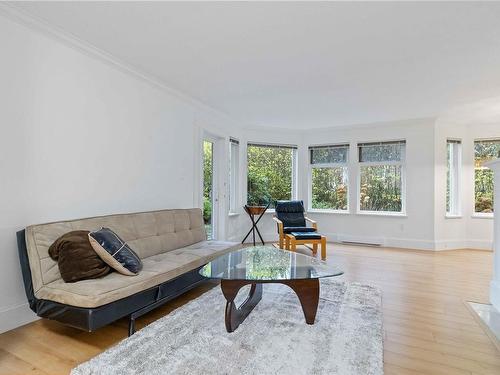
pixel 453 162
pixel 381 176
pixel 484 151
pixel 270 171
pixel 329 177
pixel 234 151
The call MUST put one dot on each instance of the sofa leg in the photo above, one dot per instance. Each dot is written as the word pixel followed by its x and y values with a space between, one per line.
pixel 131 326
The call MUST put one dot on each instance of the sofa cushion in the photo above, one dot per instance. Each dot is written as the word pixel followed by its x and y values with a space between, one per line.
pixel 298 229
pixel 156 270
pixel 148 233
pixel 306 236
pixel 76 258
pixel 115 252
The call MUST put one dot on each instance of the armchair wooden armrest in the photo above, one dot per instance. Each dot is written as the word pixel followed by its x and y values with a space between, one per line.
pixel 313 223
pixel 280 232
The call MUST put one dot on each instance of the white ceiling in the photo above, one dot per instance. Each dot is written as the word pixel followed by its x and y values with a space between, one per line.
pixel 301 65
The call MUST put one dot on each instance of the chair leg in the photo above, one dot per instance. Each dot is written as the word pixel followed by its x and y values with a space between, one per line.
pixel 293 246
pixel 315 249
pixel 281 241
pixel 287 243
pixel 323 248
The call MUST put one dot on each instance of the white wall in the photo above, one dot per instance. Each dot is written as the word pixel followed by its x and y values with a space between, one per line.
pixel 468 230
pixel 415 230
pixel 424 226
pixel 79 138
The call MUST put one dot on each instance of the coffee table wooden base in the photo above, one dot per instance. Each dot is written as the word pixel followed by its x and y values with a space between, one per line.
pixel 307 291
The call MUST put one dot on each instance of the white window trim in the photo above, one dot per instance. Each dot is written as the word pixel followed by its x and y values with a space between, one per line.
pixel 328 165
pixel 382 213
pixel 401 163
pixel 450 216
pixel 326 211
pixel 457 194
pixel 295 173
pixel 483 215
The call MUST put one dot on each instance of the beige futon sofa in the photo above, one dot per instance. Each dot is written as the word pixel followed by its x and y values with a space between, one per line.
pixel 171 243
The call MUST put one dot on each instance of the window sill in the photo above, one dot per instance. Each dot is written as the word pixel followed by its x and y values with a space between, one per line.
pixel 319 211
pixel 231 214
pixel 450 216
pixel 382 213
pixel 479 215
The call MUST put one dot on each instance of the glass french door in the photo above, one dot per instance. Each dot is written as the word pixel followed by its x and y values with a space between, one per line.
pixel 209 201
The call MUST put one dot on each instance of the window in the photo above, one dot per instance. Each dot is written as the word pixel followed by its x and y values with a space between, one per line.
pixel 453 162
pixel 484 150
pixel 381 176
pixel 234 157
pixel 271 173
pixel 329 177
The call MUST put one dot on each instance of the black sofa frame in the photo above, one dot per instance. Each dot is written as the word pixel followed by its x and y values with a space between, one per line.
pixel 91 319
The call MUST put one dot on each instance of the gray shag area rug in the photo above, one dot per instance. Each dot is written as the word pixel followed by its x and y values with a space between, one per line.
pixel 347 337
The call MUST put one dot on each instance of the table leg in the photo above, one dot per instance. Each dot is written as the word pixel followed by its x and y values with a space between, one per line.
pixel 307 291
pixel 234 316
pixel 258 232
pixel 253 229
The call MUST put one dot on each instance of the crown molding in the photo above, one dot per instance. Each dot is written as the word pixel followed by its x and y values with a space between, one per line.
pixel 12 12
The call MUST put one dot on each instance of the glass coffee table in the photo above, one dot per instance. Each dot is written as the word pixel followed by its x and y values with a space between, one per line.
pixel 265 264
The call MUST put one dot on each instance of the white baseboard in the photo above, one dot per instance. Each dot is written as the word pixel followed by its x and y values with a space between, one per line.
pixel 403 243
pixel 479 244
pixel 16 316
pixel 463 244
pixel 410 243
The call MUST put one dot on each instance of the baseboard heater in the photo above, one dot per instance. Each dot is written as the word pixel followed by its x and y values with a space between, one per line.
pixel 361 243
pixel 367 241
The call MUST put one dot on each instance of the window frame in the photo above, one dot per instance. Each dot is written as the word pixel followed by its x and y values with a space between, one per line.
pixel 294 148
pixel 233 177
pixel 475 214
pixel 401 163
pixel 456 187
pixel 345 165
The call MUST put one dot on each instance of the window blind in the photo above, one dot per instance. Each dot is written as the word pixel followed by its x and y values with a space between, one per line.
pixel 381 151
pixel 270 145
pixel 329 154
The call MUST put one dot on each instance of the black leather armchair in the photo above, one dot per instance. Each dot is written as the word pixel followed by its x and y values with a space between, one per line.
pixel 290 218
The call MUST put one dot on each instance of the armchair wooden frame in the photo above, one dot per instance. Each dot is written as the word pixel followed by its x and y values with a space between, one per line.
pixel 288 242
pixel 291 244
pixel 281 232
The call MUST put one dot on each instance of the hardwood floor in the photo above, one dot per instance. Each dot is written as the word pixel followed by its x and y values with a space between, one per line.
pixel 428 328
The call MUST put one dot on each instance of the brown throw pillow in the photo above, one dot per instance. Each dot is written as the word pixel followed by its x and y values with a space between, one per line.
pixel 76 258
